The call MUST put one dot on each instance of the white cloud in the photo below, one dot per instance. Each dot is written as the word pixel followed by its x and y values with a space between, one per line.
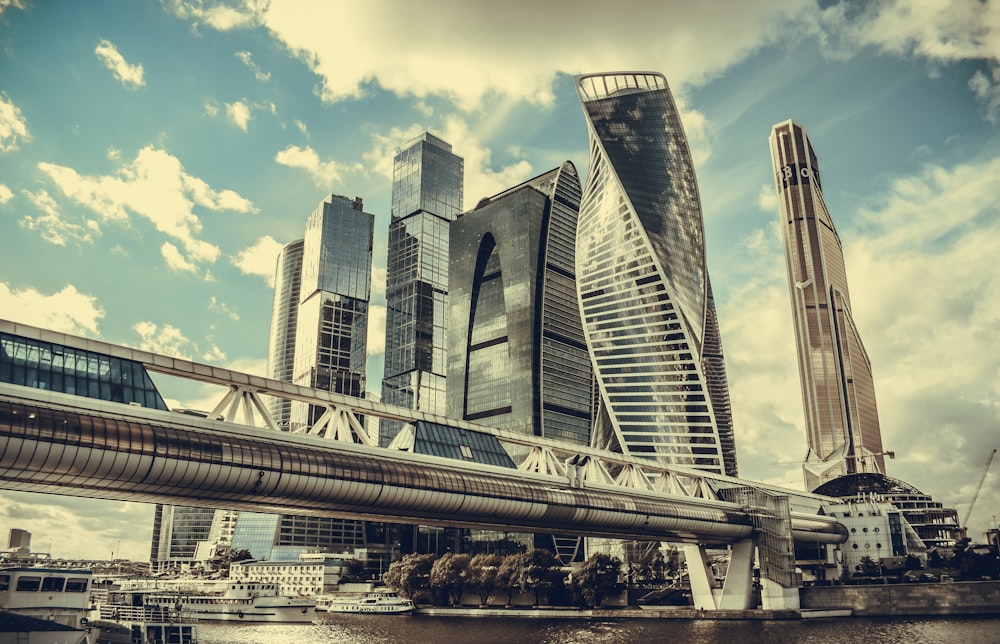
pixel 13 126
pixel 987 90
pixel 12 4
pixel 378 282
pixel 302 127
pixel 165 339
pixel 131 76
pixel 54 223
pixel 67 311
pixel 376 330
pixel 325 174
pixel 247 58
pixel 175 260
pixel 215 305
pixel 5 194
pixel 767 199
pixel 217 14
pixel 259 259
pixel 238 113
pixel 211 108
pixel 156 187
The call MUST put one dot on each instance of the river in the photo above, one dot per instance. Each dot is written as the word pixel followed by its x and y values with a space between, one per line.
pixel 420 629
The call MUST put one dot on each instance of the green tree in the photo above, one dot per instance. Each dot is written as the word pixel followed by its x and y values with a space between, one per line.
pixel 355 571
pixel 450 574
pixel 410 574
pixel 598 578
pixel 484 570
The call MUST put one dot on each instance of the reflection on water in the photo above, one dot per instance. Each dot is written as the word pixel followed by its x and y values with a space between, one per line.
pixel 405 629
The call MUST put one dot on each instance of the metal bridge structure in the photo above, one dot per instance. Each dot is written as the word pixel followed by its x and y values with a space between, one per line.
pixel 234 458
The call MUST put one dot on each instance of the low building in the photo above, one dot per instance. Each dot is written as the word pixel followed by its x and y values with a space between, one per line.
pixel 935 524
pixel 312 574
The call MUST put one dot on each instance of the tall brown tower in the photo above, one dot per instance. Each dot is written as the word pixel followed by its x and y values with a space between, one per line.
pixel 838 392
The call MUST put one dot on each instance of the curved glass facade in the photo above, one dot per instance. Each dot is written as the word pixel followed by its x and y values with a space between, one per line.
pixel 645 297
pixel 284 317
pixel 838 390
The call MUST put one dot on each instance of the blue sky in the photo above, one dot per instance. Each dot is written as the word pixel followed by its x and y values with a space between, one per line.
pixel 155 155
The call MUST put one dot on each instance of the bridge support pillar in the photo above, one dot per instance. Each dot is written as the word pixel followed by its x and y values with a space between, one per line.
pixel 737 591
pixel 774 596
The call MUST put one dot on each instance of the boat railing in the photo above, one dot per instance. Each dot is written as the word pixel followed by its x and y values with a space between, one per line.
pixel 144 614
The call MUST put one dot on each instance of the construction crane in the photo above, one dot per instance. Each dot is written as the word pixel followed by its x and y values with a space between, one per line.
pixel 975 495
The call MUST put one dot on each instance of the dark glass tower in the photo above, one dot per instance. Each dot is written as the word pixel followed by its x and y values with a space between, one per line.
pixel 838 390
pixel 518 357
pixel 645 295
pixel 426 196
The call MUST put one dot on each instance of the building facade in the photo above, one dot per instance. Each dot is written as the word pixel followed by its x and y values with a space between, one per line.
pixel 645 296
pixel 426 196
pixel 284 317
pixel 838 391
pixel 519 360
pixel 177 533
pixel 331 331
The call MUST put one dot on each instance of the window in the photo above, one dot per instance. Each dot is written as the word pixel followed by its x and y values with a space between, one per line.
pixel 29 583
pixel 53 584
pixel 76 585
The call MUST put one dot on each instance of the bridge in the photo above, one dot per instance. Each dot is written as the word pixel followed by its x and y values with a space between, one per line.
pixel 61 443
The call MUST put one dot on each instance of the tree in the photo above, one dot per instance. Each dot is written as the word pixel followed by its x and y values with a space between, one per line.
pixel 510 576
pixel 543 571
pixel 410 574
pixel 450 574
pixel 868 567
pixel 483 575
pixel 598 578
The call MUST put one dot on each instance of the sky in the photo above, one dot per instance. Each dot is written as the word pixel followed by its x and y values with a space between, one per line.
pixel 154 157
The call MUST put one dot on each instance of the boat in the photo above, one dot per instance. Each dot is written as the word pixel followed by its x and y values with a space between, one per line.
pixel 54 594
pixel 130 616
pixel 380 601
pixel 228 601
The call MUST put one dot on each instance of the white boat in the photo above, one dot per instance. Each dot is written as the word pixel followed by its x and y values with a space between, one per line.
pixel 230 601
pixel 382 601
pixel 55 594
pixel 128 616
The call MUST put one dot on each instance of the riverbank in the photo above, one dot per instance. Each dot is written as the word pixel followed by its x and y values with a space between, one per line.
pixel 646 612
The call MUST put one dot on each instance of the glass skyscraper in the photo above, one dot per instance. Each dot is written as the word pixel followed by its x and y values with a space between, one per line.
pixel 645 296
pixel 331 331
pixel 519 360
pixel 284 317
pixel 838 390
pixel 426 196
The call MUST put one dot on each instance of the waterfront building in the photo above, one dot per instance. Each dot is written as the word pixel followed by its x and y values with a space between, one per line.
pixel 177 533
pixel 936 525
pixel 642 277
pixel 838 390
pixel 310 574
pixel 427 195
pixel 284 317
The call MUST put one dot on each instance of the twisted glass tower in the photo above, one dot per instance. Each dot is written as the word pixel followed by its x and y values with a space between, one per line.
pixel 645 297
pixel 838 390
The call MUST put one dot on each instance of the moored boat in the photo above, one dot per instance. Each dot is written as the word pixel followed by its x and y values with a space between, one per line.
pixel 381 601
pixel 231 601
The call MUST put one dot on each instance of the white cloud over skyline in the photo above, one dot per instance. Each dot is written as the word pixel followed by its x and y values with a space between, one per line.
pixel 13 125
pixel 131 76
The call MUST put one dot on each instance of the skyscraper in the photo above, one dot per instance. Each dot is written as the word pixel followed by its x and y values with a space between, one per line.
pixel 838 391
pixel 645 295
pixel 519 360
pixel 318 339
pixel 331 331
pixel 426 196
pixel 177 531
pixel 284 317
